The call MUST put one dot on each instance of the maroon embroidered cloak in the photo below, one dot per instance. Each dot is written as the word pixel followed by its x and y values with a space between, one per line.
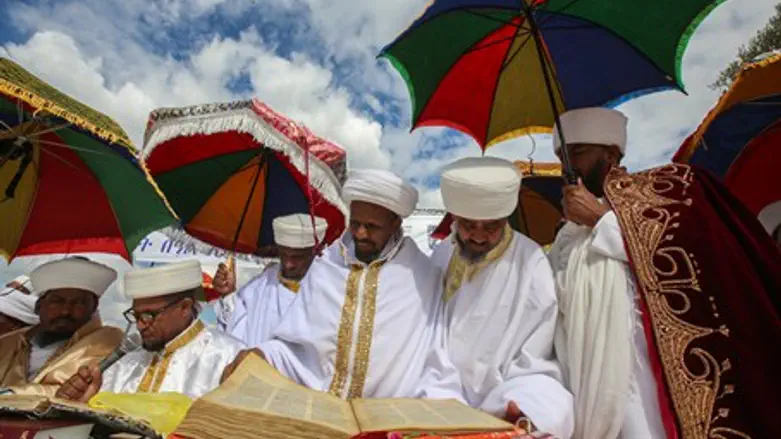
pixel 710 280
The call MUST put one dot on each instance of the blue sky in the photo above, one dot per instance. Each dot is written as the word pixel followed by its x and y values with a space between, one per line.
pixel 313 60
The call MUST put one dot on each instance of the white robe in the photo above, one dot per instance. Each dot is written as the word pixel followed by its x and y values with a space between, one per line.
pixel 600 337
pixel 252 314
pixel 500 335
pixel 191 364
pixel 370 349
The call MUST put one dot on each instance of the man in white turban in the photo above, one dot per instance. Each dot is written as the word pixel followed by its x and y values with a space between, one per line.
pixel 38 359
pixel 669 319
pixel 180 354
pixel 17 306
pixel 500 300
pixel 255 311
pixel 367 314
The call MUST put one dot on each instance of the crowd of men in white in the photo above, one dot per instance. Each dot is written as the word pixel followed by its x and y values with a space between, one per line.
pixel 371 315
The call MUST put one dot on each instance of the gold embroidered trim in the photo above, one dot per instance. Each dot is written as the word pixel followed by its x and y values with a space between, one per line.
pixel 292 285
pixel 158 369
pixel 345 335
pixel 362 351
pixel 459 268
pixel 665 274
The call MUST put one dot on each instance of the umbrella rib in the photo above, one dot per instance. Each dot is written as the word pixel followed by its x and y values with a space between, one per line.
pixel 488 17
pixel 75 148
pixel 61 159
pixel 515 53
pixel 492 43
pixel 261 163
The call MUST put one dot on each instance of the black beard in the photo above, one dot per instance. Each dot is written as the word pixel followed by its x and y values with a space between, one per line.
pixel 47 338
pixel 594 180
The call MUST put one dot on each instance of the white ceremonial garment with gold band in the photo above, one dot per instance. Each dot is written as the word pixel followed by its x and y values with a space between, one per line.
pixel 600 337
pixel 359 330
pixel 252 314
pixel 191 364
pixel 501 317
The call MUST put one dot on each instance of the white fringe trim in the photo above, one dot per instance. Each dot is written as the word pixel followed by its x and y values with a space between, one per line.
pixel 244 120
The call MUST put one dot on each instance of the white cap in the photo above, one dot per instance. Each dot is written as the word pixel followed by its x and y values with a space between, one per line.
pixel 598 126
pixel 162 281
pixel 382 188
pixel 77 273
pixel 481 188
pixel 19 304
pixel 770 216
pixel 295 231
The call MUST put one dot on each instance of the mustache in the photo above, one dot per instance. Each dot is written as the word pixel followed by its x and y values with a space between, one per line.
pixel 363 241
pixel 64 319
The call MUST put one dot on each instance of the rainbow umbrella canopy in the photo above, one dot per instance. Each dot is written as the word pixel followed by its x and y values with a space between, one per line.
pixel 229 169
pixel 69 179
pixel 740 138
pixel 497 69
pixel 539 204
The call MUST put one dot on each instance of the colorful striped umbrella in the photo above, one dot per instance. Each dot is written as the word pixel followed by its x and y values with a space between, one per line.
pixel 539 204
pixel 477 66
pixel 740 138
pixel 229 169
pixel 69 179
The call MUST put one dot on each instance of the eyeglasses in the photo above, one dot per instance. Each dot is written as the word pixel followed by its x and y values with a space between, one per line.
pixel 147 317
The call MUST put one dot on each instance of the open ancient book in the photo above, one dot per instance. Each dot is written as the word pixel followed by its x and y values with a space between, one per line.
pixel 258 402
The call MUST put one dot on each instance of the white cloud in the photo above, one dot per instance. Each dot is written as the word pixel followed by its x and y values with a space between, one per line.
pixel 120 65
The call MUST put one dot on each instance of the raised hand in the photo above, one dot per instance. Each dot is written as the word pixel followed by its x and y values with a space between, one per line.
pixel 224 280
pixel 581 206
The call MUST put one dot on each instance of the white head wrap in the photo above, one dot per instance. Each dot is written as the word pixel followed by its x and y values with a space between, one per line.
pixel 77 273
pixel 598 126
pixel 382 188
pixel 162 281
pixel 18 304
pixel 295 231
pixel 481 188
pixel 770 216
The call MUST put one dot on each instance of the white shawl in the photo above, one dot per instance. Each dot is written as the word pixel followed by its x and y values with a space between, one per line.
pixel 594 332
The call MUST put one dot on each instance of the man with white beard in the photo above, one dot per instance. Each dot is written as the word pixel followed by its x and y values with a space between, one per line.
pixel 500 301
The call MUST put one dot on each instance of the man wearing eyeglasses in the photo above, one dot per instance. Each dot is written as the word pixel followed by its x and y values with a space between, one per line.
pixel 180 354
pixel 37 360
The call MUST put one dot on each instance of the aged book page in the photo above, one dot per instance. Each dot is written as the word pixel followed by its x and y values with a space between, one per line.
pixel 410 415
pixel 263 397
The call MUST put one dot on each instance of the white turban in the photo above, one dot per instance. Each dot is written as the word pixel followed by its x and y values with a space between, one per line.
pixel 481 188
pixel 598 126
pixel 382 188
pixel 295 231
pixel 770 216
pixel 161 281
pixel 77 273
pixel 18 304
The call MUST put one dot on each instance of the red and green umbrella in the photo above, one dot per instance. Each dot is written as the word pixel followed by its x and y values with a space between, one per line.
pixel 740 138
pixel 229 169
pixel 539 204
pixel 497 69
pixel 69 179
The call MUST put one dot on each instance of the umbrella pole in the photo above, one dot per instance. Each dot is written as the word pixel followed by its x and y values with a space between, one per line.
pixel 261 162
pixel 569 174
